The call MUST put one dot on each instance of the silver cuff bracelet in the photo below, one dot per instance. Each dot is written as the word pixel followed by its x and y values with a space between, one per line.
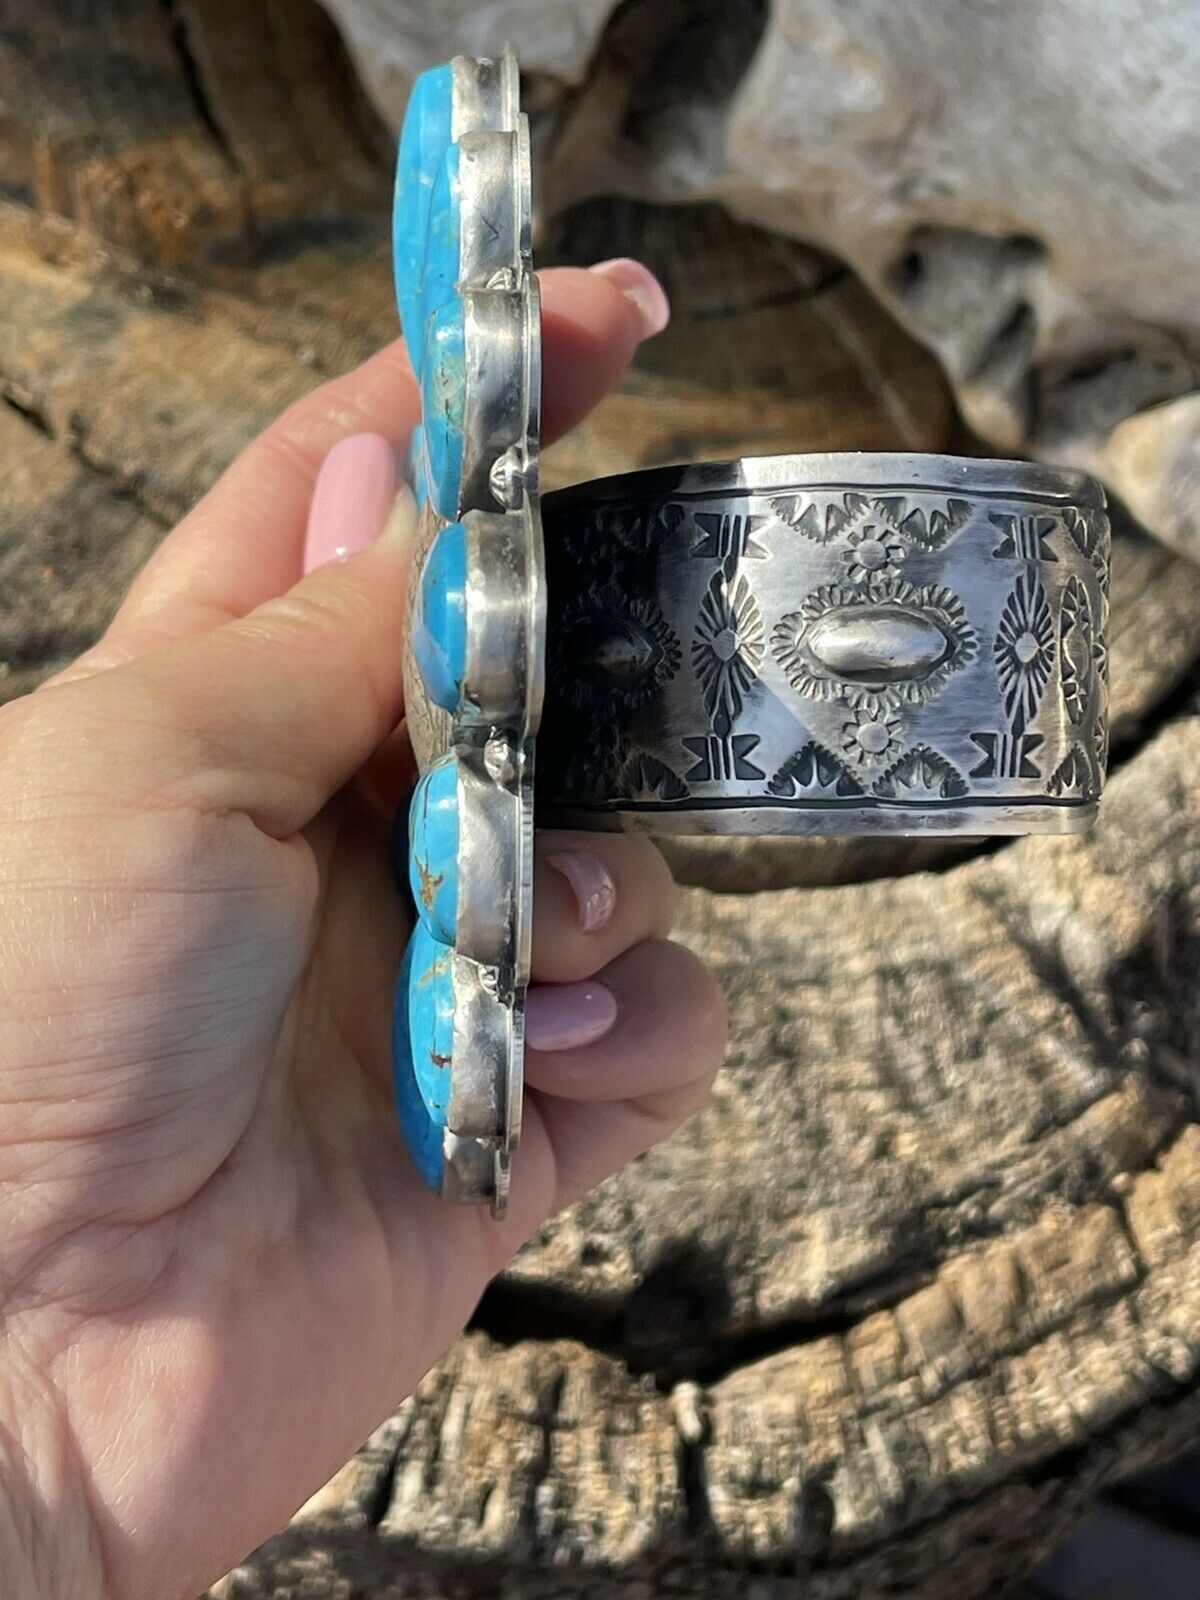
pixel 837 644
pixel 829 644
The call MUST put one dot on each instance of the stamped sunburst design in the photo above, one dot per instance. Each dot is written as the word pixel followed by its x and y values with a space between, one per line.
pixel 613 652
pixel 872 738
pixel 727 649
pixel 1024 650
pixel 884 646
pixel 869 551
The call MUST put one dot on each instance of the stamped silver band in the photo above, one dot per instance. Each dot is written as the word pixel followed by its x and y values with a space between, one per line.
pixel 827 644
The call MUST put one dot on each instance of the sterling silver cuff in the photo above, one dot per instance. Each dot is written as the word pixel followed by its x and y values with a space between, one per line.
pixel 830 644
pixel 794 645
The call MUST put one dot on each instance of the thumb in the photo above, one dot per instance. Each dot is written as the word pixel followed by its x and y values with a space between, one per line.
pixel 272 713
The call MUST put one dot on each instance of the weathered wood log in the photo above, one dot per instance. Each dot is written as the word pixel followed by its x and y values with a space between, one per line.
pixel 179 128
pixel 924 1278
pixel 932 1391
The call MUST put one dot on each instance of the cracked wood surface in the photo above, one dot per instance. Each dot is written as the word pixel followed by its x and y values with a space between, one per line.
pixel 922 1280
pixel 918 1066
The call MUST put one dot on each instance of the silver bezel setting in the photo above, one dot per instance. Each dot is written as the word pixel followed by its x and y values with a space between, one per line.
pixel 491 735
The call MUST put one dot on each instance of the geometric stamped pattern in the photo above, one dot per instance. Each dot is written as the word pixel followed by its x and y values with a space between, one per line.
pixel 1024 650
pixel 1077 650
pixel 727 648
pixel 885 644
pixel 852 659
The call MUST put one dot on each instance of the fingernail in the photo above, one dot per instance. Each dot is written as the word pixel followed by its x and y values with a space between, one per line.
pixel 639 286
pixel 351 499
pixel 565 1016
pixel 401 523
pixel 591 883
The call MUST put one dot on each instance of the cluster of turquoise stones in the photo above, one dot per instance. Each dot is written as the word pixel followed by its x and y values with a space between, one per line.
pixel 427 242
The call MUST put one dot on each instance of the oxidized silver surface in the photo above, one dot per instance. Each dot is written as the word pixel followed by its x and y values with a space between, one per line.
pixel 827 644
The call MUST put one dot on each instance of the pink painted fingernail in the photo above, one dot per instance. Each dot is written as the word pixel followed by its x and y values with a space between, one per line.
pixel 591 883
pixel 639 286
pixel 351 499
pixel 565 1016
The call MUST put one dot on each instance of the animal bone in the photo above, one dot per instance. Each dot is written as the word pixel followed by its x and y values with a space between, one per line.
pixel 1020 185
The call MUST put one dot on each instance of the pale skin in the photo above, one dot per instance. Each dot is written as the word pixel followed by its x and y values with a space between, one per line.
pixel 218 1271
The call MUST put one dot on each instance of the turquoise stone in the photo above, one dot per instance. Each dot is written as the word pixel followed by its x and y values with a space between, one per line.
pixel 422 1041
pixel 443 239
pixel 433 849
pixel 399 844
pixel 443 401
pixel 416 466
pixel 439 624
pixel 424 140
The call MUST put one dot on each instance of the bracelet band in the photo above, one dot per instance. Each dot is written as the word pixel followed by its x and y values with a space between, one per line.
pixel 809 644
pixel 836 644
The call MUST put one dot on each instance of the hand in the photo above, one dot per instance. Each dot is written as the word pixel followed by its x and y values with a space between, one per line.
pixel 218 1271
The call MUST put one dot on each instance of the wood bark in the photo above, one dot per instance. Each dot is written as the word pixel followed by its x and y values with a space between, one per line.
pixel 925 1277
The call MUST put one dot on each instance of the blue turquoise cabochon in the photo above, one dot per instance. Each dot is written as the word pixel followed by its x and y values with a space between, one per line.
pixel 426 247
pixel 424 140
pixel 433 849
pixel 468 309
pixel 422 1042
pixel 439 621
pixel 427 228
pixel 443 404
pixel 416 465
pixel 443 238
